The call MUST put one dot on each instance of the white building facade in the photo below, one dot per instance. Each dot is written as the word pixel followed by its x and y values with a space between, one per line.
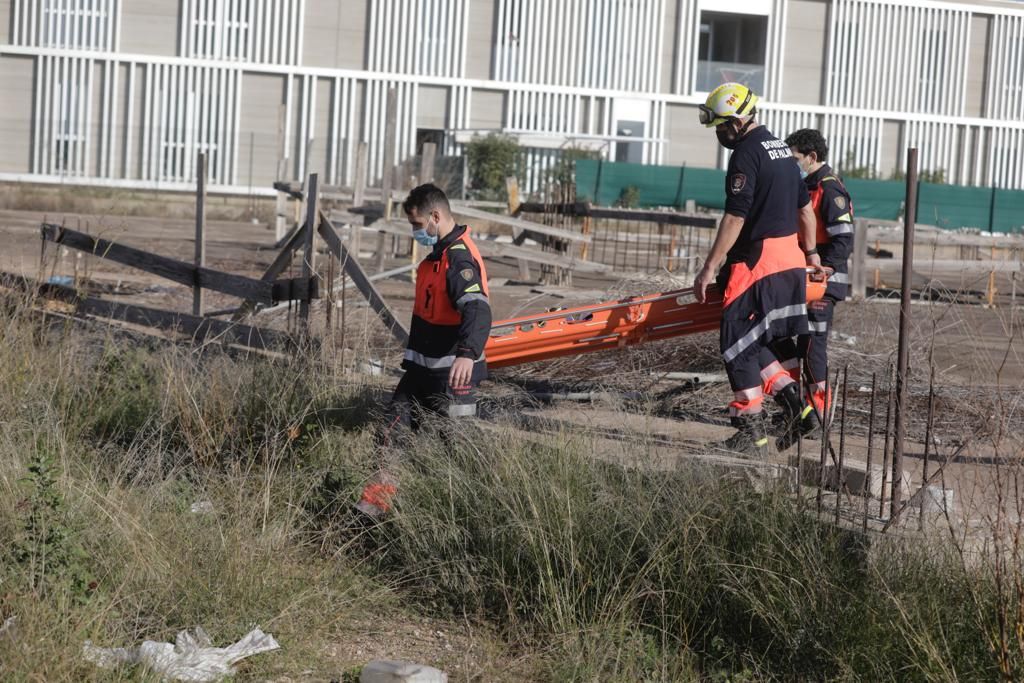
pixel 127 92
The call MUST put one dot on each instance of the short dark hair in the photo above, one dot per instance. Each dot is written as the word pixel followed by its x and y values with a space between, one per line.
pixel 425 199
pixel 807 140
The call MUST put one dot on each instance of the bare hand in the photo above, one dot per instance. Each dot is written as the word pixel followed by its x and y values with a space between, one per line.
pixel 461 372
pixel 818 272
pixel 704 278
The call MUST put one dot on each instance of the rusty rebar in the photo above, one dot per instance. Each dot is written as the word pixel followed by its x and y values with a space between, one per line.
pixel 840 479
pixel 824 441
pixel 885 449
pixel 866 489
pixel 800 444
pixel 927 441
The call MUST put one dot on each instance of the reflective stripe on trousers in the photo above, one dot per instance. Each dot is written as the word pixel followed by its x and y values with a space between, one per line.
pixel 432 363
pixel 762 328
pixel 746 402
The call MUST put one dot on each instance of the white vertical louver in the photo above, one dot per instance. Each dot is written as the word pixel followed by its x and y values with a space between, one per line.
pixel 939 148
pixel 1005 158
pixel 612 44
pixel 342 141
pixel 782 122
pixel 423 37
pixel 187 110
pixel 264 31
pixel 69 24
pixel 776 50
pixel 375 101
pixel 854 141
pixel 687 40
pixel 459 104
pixel 892 57
pixel 1005 84
pixel 62 144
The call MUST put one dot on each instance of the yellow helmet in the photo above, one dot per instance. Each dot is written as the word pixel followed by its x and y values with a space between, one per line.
pixel 725 102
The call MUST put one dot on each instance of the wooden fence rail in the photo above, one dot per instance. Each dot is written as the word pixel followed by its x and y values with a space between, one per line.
pixel 201 329
pixel 250 289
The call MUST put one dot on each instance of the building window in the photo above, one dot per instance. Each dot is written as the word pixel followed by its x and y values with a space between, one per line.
pixel 264 31
pixel 85 25
pixel 417 37
pixel 732 49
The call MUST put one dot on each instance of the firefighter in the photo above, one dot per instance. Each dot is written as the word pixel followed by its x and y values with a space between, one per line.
pixel 762 276
pixel 833 213
pixel 451 320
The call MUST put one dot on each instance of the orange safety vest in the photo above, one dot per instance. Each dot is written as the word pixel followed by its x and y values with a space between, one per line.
pixel 816 195
pixel 432 302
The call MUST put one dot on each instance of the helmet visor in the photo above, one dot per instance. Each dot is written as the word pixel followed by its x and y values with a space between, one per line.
pixel 707 116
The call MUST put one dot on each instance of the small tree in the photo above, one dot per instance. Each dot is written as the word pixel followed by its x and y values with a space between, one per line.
pixel 492 158
pixel 630 197
pixel 562 172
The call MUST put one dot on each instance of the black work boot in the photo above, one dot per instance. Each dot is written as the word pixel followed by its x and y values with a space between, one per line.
pixel 798 418
pixel 750 439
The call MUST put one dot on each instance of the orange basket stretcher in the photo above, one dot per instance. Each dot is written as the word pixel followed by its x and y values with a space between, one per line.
pixel 608 325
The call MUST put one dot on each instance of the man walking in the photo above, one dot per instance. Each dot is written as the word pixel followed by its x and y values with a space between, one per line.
pixel 451 320
pixel 833 214
pixel 762 274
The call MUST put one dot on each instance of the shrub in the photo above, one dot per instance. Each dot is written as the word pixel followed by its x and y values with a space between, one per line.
pixel 492 158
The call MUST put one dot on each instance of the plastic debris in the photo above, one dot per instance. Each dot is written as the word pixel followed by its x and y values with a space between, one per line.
pixel 191 657
pixel 201 507
pixel 372 367
pixel 7 629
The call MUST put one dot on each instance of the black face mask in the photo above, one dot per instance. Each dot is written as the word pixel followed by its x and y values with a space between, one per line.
pixel 730 137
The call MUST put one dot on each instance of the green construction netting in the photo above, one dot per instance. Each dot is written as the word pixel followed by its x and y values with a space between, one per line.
pixel 1008 211
pixel 954 206
pixel 605 182
pixel 881 199
pixel 947 206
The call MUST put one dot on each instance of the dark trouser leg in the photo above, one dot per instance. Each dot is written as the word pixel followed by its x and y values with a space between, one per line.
pixel 420 397
pixel 745 410
pixel 392 439
pixel 780 362
pixel 814 350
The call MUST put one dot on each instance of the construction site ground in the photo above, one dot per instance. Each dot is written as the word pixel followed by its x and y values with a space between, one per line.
pixel 976 352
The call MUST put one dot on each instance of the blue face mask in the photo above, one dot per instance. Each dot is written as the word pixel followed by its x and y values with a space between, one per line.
pixel 803 173
pixel 424 238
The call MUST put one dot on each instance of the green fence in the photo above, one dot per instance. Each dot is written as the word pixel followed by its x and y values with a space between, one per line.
pixel 946 206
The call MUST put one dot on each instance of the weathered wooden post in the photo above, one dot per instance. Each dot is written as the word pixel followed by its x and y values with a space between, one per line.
pixel 200 254
pixel 858 276
pixel 903 349
pixel 308 250
pixel 390 136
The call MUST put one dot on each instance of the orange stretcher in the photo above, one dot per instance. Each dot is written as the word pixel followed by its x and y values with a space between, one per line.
pixel 609 325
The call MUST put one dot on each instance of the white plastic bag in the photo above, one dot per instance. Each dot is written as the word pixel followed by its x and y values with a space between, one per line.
pixel 191 657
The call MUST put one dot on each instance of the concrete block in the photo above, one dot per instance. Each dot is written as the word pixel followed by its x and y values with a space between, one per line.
pixel 853 474
pixel 389 671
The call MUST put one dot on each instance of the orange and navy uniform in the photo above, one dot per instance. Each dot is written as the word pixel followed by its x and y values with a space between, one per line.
pixel 451 319
pixel 833 211
pixel 763 279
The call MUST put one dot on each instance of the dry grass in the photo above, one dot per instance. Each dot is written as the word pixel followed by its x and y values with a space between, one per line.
pixel 586 570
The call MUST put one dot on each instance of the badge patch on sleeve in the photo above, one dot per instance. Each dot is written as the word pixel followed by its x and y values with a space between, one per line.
pixel 467 274
pixel 739 181
pixel 841 202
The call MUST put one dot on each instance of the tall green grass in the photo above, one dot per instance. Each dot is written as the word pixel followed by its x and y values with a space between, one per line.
pixel 639 575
